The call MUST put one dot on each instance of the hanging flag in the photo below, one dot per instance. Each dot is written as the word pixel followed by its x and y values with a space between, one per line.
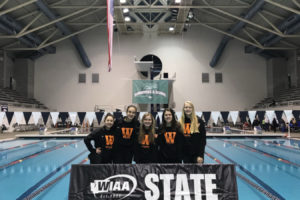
pixel 54 116
pixel 110 31
pixel 73 116
pixel 178 115
pixel 252 115
pixel 199 114
pixel 36 117
pixel 1 117
pixel 234 115
pixel 90 116
pixel 215 116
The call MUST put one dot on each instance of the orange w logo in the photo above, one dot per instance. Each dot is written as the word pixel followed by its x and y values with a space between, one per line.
pixel 187 129
pixel 145 143
pixel 126 132
pixel 109 139
pixel 170 137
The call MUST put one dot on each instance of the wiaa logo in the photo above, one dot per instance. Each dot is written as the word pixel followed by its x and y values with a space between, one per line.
pixel 114 187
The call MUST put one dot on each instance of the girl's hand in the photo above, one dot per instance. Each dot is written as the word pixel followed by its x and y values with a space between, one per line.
pixel 98 150
pixel 199 160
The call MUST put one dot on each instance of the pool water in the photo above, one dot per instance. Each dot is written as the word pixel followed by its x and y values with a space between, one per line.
pixel 40 169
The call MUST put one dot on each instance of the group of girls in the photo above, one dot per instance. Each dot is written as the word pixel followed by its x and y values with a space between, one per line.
pixel 128 139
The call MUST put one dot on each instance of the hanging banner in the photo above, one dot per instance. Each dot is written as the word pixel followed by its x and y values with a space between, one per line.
pixel 199 114
pixel 289 114
pixel 152 181
pixel 90 116
pixel 142 114
pixel 73 116
pixel 150 91
pixel 19 117
pixel 251 115
pixel 54 116
pixel 1 117
pixel 234 115
pixel 215 116
pixel 270 114
pixel 178 114
pixel 36 117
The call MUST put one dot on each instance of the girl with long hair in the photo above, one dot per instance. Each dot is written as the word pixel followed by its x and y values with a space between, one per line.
pixel 103 150
pixel 170 138
pixel 145 147
pixel 128 126
pixel 194 133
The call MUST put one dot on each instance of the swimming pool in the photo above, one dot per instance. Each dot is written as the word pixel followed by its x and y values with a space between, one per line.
pixel 39 169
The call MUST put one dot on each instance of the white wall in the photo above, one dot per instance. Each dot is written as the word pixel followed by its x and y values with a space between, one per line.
pixel 189 54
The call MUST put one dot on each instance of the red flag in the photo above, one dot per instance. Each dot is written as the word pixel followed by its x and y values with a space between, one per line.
pixel 110 30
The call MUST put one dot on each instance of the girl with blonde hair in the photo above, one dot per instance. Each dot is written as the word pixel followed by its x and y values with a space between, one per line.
pixel 145 148
pixel 194 133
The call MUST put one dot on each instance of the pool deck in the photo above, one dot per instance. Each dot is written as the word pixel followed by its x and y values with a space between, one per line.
pixel 35 134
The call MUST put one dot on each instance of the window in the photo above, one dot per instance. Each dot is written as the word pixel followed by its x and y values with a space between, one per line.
pixel 205 77
pixel 82 78
pixel 219 77
pixel 95 78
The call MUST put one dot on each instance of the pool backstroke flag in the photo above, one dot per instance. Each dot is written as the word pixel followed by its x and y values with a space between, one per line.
pixel 150 91
pixel 153 182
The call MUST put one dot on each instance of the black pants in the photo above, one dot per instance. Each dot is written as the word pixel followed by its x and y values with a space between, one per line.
pixel 95 158
pixel 124 156
pixel 189 159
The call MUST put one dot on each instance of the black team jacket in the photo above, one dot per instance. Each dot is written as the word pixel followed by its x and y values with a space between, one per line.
pixel 170 143
pixel 145 152
pixel 103 138
pixel 194 143
pixel 126 136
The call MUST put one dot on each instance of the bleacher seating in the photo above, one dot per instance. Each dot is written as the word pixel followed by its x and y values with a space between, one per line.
pixel 11 97
pixel 285 97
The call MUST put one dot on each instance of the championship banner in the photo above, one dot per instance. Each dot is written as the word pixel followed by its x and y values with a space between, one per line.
pixel 150 91
pixel 153 182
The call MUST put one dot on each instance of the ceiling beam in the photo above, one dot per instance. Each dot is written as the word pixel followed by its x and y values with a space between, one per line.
pixel 149 7
pixel 17 7
pixel 55 41
pixel 248 21
pixel 244 40
pixel 283 7
pixel 3 3
pixel 269 22
pixel 182 15
pixel 296 3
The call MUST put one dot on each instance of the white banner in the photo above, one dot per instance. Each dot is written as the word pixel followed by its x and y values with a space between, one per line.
pixel 252 114
pixel 199 114
pixel 270 115
pixel 159 116
pixel 54 116
pixel 19 117
pixel 90 116
pixel 215 116
pixel 178 114
pixel 36 116
pixel 141 115
pixel 289 114
pixel 1 117
pixel 73 116
pixel 234 115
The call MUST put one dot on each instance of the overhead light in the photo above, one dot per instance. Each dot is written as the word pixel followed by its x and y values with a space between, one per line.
pixel 171 28
pixel 177 1
pixel 122 1
pixel 125 10
pixel 127 19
